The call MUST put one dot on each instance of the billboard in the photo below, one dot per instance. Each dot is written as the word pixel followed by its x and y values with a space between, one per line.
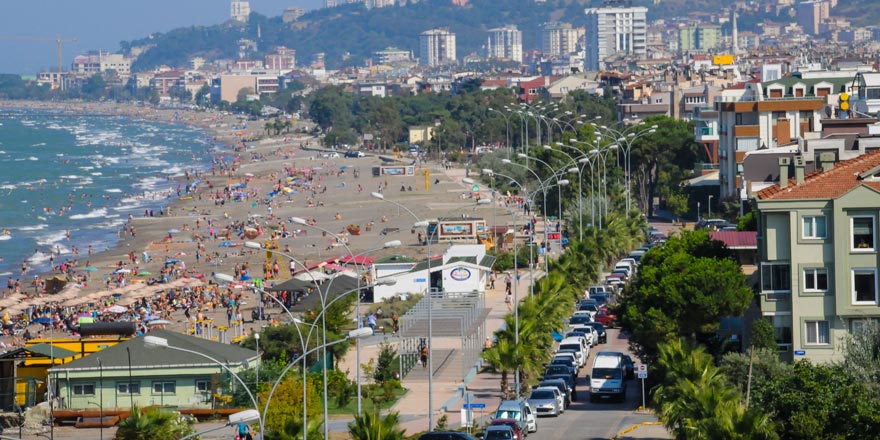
pixel 397 171
pixel 722 60
pixel 456 229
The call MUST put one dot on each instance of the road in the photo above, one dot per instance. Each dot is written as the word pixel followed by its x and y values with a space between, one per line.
pixel 586 421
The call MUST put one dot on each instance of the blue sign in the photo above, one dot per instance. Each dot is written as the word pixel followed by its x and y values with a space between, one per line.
pixel 800 352
pixel 474 405
pixel 420 280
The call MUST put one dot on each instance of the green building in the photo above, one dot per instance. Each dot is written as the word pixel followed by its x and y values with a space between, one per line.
pixel 818 253
pixel 699 37
pixel 130 373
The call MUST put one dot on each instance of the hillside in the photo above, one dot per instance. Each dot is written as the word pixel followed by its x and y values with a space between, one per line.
pixel 349 34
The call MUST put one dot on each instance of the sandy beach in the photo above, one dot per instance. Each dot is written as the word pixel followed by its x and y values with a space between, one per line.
pixel 333 193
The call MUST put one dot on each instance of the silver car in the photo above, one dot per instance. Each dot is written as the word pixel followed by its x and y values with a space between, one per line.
pixel 545 402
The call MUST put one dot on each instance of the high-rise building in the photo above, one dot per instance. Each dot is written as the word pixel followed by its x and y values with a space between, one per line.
pixel 558 39
pixel 811 13
pixel 699 37
pixel 239 10
pixel 436 47
pixel 505 43
pixel 614 30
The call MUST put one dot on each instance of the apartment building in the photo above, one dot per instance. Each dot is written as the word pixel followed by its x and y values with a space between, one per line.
pixel 239 10
pixel 283 59
pixel 613 30
pixel 505 43
pixel 755 116
pixel 558 39
pixel 699 37
pixel 437 47
pixel 392 55
pixel 94 62
pixel 818 252
pixel 292 14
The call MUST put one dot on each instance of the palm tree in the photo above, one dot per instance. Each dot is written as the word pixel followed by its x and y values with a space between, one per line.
pixel 153 424
pixel 292 430
pixel 372 426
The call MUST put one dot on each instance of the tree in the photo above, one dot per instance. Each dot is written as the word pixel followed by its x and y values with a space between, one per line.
pixel 372 426
pixel 153 423
pixel 285 409
pixel 861 356
pixel 671 149
pixel 677 203
pixel 683 289
pixel 762 335
pixel 94 87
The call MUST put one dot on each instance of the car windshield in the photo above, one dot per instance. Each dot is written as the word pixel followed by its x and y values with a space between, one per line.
pixel 572 347
pixel 549 384
pixel 498 434
pixel 606 373
pixel 579 319
pixel 507 414
pixel 542 395
pixel 599 327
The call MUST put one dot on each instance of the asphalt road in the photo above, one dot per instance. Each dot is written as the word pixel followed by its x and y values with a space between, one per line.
pixel 602 420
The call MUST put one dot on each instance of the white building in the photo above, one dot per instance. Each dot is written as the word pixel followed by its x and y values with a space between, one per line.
pixel 100 62
pixel 461 269
pixel 436 47
pixel 613 30
pixel 505 43
pixel 239 10
pixel 558 39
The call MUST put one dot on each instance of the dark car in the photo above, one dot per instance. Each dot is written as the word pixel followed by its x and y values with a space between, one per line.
pixel 354 153
pixel 561 385
pixel 513 424
pixel 571 383
pixel 499 432
pixel 600 330
pixel 590 307
pixel 445 435
pixel 630 367
pixel 560 369
pixel 589 300
pixel 578 320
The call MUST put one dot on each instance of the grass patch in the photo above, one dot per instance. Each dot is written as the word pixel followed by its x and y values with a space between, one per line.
pixel 366 405
pixel 392 305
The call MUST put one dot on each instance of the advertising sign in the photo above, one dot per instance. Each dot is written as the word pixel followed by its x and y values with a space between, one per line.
pixel 460 274
pixel 456 229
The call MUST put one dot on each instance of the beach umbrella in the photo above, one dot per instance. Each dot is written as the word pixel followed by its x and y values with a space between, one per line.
pixel 227 244
pixel 90 268
pixel 158 322
pixel 145 273
pixel 248 174
pixel 122 271
pixel 152 318
pixel 173 231
pixel 115 309
pixel 42 320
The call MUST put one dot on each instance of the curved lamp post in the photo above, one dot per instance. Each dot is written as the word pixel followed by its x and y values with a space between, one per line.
pixel 247 416
pixel 157 342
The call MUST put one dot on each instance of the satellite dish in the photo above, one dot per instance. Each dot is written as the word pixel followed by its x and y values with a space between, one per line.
pixel 828 111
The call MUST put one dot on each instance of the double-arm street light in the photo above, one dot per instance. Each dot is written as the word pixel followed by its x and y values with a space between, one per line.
pixel 419 223
pixel 506 117
pixel 625 139
pixel 577 170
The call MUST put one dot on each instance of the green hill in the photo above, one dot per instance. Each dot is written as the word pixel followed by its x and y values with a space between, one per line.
pixel 349 34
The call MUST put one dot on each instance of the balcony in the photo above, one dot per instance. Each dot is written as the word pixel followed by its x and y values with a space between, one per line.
pixel 705 134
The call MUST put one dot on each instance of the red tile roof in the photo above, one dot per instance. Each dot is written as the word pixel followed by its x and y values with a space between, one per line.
pixel 843 178
pixel 736 239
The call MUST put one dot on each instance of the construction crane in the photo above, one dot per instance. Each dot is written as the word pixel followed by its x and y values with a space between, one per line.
pixel 58 41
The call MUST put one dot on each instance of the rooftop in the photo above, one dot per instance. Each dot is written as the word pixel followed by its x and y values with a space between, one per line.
pixel 843 178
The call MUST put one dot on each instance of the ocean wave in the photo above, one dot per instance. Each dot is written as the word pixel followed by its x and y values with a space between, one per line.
pixel 113 190
pixel 33 158
pixel 102 212
pixel 38 258
pixel 51 238
pixel 39 227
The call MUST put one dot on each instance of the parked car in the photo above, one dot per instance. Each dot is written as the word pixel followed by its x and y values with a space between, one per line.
pixel 512 423
pixel 561 369
pixel 546 401
pixel 499 432
pixel 578 320
pixel 514 409
pixel 630 367
pixel 566 358
pixel 333 155
pixel 445 435
pixel 607 379
pixel 354 154
pixel 571 383
pixel 606 317
pixel 600 330
pixel 563 388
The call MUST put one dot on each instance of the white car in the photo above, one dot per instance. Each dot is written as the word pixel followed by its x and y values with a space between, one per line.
pixel 333 155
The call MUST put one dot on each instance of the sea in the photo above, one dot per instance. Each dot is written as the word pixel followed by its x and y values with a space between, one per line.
pixel 71 181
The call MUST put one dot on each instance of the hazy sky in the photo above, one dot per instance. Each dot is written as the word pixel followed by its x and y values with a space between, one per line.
pixel 102 24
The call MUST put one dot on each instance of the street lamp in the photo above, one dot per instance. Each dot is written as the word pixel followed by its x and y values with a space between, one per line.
pixel 157 342
pixel 507 123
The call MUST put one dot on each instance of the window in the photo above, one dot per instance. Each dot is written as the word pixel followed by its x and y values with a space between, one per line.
pixel 859 326
pixel 815 280
pixel 775 277
pixel 84 389
pixel 817 333
pixel 781 328
pixel 128 388
pixel 164 387
pixel 203 386
pixel 862 233
pixel 814 227
pixel 864 282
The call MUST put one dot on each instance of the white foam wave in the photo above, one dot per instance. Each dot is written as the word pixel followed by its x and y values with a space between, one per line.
pixel 94 214
pixel 39 227
pixel 113 190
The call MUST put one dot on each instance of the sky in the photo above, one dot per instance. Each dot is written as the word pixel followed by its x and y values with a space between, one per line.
pixel 102 24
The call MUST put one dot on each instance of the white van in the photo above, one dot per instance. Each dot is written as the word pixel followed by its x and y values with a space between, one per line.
pixel 608 377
